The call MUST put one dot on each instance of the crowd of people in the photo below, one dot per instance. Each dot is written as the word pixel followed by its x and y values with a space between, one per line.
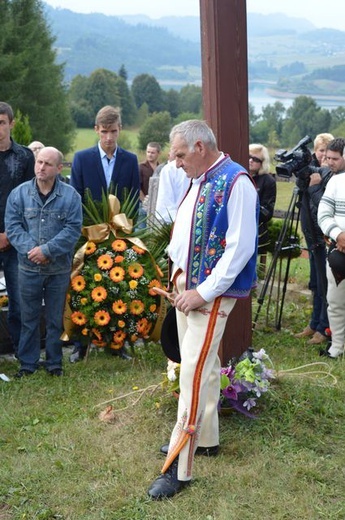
pixel 205 194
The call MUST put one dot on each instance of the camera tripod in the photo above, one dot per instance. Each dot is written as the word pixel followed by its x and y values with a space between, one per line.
pixel 289 231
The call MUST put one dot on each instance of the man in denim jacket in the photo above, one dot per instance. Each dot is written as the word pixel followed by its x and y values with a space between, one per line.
pixel 43 221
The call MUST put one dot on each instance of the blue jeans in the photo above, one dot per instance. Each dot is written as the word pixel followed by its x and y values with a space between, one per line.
pixel 10 266
pixel 34 287
pixel 318 286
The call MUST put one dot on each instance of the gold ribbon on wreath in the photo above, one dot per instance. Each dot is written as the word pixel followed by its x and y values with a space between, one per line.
pixel 99 233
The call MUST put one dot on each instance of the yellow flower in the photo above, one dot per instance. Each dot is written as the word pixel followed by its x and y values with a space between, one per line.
pixel 99 294
pixel 85 332
pixel 78 318
pixel 119 245
pixel 119 307
pixel 83 301
pixel 104 262
pixel 97 277
pixel 78 283
pixel 153 307
pixel 115 346
pixel 136 307
pixel 132 284
pixel 90 248
pixel 121 324
pixel 102 318
pixel 117 274
pixel 135 270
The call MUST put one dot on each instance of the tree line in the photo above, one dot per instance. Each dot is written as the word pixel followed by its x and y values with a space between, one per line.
pixel 49 110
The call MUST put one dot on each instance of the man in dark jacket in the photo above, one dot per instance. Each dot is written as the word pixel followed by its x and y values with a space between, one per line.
pixel 16 166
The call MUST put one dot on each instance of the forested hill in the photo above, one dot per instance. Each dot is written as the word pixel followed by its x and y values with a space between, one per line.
pixel 282 50
pixel 86 42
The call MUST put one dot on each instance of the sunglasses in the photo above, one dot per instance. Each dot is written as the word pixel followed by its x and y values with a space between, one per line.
pixel 255 159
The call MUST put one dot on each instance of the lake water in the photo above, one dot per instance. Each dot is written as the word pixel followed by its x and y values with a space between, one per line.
pixel 260 96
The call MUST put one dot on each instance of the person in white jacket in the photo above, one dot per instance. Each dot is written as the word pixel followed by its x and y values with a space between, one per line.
pixel 331 219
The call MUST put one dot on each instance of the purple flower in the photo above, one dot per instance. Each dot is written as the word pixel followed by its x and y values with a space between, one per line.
pixel 230 393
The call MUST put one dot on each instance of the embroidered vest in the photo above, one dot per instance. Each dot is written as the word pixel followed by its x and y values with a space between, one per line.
pixel 209 227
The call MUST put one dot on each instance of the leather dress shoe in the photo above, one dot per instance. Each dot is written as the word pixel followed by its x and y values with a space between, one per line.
pixel 211 451
pixel 308 331
pixel 317 339
pixel 167 484
pixel 325 353
pixel 23 373
pixel 56 372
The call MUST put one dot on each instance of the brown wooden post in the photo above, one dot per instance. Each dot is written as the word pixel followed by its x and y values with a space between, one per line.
pixel 225 100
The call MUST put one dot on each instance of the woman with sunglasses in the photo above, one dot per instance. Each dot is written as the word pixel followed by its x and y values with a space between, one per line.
pixel 259 167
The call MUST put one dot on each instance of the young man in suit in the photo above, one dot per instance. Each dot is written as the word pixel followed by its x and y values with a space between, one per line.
pixel 106 166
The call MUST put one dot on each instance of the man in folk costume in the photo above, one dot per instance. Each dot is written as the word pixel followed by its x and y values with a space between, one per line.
pixel 213 252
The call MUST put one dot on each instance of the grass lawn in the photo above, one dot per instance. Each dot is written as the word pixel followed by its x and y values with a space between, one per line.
pixel 59 461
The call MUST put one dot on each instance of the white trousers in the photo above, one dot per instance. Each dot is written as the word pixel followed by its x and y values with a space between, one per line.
pixel 336 313
pixel 197 417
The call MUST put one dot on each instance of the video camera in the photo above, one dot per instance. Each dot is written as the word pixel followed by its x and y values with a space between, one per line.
pixel 294 161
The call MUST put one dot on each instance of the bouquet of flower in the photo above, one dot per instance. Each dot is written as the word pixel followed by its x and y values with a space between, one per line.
pixel 111 298
pixel 244 382
pixel 241 383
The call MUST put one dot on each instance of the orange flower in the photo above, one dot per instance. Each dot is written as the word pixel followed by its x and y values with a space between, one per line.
pixel 121 324
pixel 83 301
pixel 117 274
pixel 99 343
pixel 104 262
pixel 119 336
pixel 136 307
pixel 135 270
pixel 115 346
pixel 90 248
pixel 134 338
pixel 99 294
pixel 119 245
pixel 159 271
pixel 78 318
pixel 153 307
pixel 97 277
pixel 153 283
pixel 118 259
pixel 138 250
pixel 97 333
pixel 133 284
pixel 143 327
pixel 102 318
pixel 85 332
pixel 78 283
pixel 119 307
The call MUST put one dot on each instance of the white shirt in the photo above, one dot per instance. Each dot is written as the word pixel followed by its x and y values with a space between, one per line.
pixel 240 236
pixel 173 184
pixel 108 166
pixel 331 211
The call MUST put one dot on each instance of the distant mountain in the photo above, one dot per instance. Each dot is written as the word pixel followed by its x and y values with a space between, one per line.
pixel 279 47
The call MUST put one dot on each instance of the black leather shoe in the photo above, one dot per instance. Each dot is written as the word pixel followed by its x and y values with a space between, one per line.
pixel 212 451
pixel 325 353
pixel 167 485
pixel 23 373
pixel 56 372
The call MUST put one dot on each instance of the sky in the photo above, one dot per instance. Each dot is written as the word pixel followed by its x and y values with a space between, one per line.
pixel 321 14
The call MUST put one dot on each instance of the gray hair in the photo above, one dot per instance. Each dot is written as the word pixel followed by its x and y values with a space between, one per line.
pixel 192 131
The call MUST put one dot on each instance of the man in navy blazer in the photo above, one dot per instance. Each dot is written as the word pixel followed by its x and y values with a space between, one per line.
pixel 106 166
